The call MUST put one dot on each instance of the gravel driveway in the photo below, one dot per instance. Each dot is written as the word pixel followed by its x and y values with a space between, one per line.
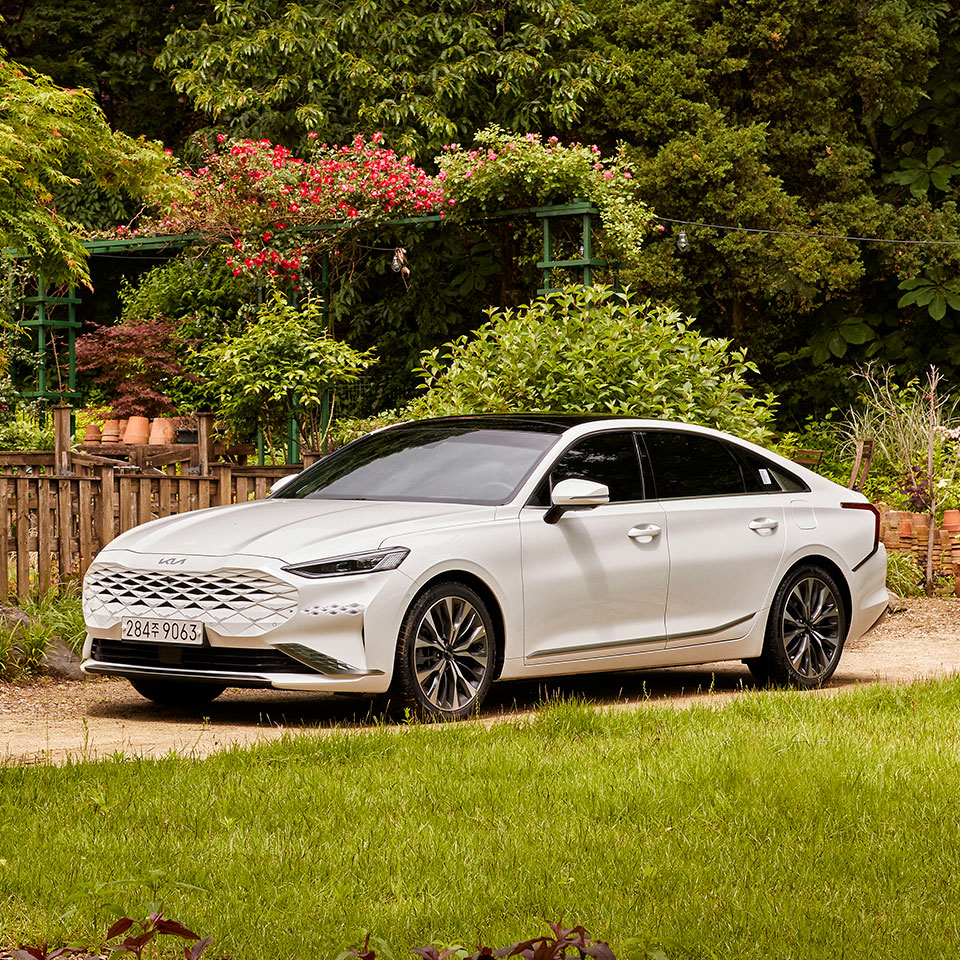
pixel 48 722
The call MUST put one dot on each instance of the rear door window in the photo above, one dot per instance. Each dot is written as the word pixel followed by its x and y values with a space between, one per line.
pixel 692 465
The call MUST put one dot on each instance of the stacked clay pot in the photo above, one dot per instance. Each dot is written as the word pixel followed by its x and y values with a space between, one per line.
pixel 111 431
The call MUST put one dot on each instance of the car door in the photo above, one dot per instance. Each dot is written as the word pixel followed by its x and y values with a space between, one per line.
pixel 594 582
pixel 725 536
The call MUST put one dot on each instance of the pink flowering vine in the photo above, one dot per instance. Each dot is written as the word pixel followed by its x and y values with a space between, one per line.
pixel 245 187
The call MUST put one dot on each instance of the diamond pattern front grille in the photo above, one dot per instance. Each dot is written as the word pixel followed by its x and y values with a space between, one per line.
pixel 236 603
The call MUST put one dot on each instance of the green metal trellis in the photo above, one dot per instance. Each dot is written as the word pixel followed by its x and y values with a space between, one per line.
pixel 49 318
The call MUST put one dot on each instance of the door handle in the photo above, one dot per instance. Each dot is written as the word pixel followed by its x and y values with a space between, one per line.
pixel 644 532
pixel 764 525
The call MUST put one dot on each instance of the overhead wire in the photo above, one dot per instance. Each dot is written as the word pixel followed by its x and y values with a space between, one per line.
pixel 812 236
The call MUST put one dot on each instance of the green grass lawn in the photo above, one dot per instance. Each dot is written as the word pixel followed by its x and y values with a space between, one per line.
pixel 782 825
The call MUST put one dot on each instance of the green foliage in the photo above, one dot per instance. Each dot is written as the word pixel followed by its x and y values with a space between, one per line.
pixel 454 276
pixel 594 351
pixel 51 139
pixel 424 73
pixel 919 175
pixel 805 118
pixel 507 170
pixel 837 333
pixel 283 362
pixel 820 433
pixel 933 290
pixel 27 429
pixel 53 616
pixel 202 299
pixel 904 576
pixel 107 48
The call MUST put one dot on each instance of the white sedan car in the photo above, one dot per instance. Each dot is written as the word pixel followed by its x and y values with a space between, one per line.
pixel 432 558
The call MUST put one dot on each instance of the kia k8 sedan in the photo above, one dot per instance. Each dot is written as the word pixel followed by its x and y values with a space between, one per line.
pixel 430 559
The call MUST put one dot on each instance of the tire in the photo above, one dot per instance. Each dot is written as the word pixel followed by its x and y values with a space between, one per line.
pixel 176 693
pixel 446 653
pixel 806 631
pixel 758 670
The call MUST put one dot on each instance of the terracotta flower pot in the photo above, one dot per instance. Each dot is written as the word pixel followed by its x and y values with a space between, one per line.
pixel 951 520
pixel 92 434
pixel 161 431
pixel 138 430
pixel 123 429
pixel 111 431
pixel 906 528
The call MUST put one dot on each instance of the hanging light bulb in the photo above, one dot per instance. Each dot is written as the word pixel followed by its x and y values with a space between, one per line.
pixel 683 244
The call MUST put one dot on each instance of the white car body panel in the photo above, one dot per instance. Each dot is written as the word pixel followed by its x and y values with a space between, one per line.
pixel 590 590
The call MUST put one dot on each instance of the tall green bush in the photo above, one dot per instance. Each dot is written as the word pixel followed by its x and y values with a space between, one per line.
pixel 590 351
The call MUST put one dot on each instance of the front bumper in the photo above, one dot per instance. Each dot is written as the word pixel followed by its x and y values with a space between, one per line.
pixel 336 634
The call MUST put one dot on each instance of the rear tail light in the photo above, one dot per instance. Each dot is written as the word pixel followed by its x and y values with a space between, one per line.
pixel 876 519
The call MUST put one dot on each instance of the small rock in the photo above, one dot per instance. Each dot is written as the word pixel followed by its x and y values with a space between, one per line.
pixel 14 620
pixel 61 662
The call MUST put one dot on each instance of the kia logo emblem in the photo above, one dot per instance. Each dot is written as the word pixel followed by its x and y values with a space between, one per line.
pixel 175 561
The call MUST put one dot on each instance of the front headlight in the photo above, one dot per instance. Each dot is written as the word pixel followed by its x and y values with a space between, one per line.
pixel 372 562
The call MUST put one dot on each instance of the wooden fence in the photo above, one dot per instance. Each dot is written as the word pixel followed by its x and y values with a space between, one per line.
pixel 52 525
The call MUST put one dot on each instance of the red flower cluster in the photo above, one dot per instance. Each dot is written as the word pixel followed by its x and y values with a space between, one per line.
pixel 244 192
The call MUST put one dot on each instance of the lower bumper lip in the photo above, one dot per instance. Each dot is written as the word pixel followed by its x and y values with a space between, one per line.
pixel 174 673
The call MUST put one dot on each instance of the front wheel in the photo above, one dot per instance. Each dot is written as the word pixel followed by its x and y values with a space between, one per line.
pixel 446 653
pixel 176 693
pixel 806 630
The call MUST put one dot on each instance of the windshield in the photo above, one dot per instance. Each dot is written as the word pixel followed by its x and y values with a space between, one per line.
pixel 436 462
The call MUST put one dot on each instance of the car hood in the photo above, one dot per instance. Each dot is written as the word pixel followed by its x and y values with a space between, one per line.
pixel 293 530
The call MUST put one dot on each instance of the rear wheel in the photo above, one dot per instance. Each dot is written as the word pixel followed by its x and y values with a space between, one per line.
pixel 446 653
pixel 176 693
pixel 806 631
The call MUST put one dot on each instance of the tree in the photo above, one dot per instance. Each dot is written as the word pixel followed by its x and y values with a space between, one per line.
pixel 794 118
pixel 109 49
pixel 426 73
pixel 52 139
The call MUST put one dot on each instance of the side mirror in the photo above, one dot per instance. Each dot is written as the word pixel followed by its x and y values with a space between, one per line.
pixel 278 485
pixel 575 492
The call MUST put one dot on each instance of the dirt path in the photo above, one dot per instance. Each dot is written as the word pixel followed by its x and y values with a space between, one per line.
pixel 48 722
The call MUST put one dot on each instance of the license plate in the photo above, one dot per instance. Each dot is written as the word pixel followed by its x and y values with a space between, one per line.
pixel 161 631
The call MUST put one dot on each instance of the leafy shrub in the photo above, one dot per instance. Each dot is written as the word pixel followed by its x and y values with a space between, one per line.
pixel 134 364
pixel 593 351
pixel 27 430
pixel 53 616
pixel 904 576
pixel 152 360
pixel 60 614
pixel 7 667
pixel 282 363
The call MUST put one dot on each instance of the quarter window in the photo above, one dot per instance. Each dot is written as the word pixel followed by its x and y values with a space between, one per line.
pixel 762 476
pixel 692 465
